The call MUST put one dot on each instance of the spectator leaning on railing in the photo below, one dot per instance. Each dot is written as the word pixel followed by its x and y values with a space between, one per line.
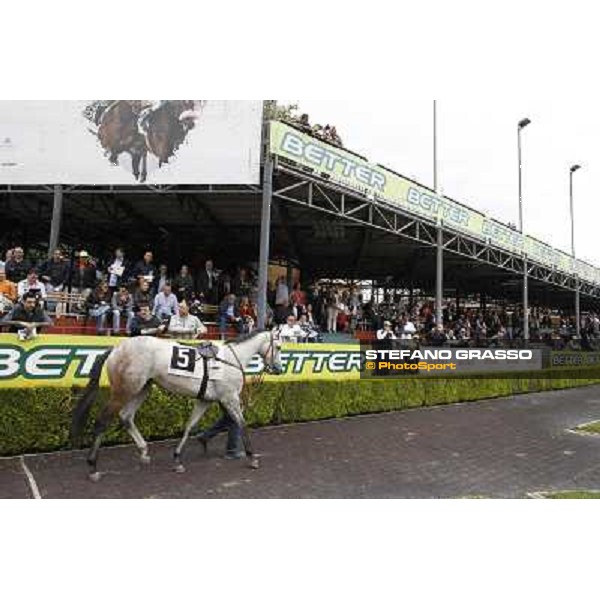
pixel 184 325
pixel 145 323
pixel 291 331
pixel 26 317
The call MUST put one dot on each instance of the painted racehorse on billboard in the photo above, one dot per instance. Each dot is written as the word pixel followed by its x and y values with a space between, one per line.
pixel 136 363
pixel 166 127
pixel 137 127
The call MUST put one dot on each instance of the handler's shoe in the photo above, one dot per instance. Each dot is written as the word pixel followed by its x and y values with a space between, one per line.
pixel 204 443
pixel 234 455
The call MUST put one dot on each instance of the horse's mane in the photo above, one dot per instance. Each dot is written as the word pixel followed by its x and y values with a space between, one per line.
pixel 245 336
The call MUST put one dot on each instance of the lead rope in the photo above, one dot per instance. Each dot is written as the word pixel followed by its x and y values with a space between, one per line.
pixel 247 389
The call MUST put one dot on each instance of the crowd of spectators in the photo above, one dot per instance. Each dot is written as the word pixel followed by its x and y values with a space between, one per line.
pixel 492 326
pixel 128 296
pixel 327 133
pixel 123 295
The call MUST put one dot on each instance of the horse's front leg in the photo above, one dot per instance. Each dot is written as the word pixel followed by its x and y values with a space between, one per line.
pixel 199 410
pixel 233 408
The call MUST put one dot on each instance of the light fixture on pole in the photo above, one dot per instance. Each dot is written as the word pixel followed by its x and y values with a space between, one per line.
pixel 522 124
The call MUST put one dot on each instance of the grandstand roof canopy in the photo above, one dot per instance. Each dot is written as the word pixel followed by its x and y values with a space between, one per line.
pixel 325 229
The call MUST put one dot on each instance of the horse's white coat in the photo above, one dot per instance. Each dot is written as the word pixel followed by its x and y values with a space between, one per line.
pixel 135 362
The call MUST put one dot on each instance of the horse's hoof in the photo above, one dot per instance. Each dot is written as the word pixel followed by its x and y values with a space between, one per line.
pixel 145 459
pixel 94 477
pixel 254 464
pixel 179 469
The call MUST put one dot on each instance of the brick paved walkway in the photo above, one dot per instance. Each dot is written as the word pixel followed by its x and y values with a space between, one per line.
pixel 498 448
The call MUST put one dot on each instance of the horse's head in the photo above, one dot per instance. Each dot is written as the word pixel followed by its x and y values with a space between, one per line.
pixel 271 352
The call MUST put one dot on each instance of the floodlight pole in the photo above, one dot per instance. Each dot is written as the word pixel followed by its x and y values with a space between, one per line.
pixel 265 230
pixel 439 262
pixel 57 207
pixel 522 124
pixel 577 306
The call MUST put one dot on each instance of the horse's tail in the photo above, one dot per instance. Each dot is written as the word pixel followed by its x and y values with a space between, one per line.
pixel 87 399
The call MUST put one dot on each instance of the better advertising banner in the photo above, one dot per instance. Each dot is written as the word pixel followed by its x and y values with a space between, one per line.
pixel 379 183
pixel 63 361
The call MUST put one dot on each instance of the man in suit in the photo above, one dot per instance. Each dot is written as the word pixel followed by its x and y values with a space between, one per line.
pixel 207 283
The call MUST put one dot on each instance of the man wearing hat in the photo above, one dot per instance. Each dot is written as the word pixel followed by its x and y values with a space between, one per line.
pixel 83 276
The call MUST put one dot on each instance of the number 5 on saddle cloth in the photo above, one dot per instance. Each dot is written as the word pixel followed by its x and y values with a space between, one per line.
pixel 199 362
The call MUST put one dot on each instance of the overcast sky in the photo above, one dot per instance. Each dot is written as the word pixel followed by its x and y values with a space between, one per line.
pixel 477 156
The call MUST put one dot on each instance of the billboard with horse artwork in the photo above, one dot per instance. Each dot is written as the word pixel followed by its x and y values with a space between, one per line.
pixel 121 142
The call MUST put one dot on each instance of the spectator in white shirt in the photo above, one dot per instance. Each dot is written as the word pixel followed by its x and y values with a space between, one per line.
pixel 184 325
pixel 291 331
pixel 165 303
pixel 408 330
pixel 116 270
pixel 33 284
pixel 386 332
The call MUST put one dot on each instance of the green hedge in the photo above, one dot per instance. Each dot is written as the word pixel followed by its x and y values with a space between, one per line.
pixel 33 420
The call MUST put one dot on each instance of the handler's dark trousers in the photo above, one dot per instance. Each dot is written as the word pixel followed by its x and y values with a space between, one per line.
pixel 234 434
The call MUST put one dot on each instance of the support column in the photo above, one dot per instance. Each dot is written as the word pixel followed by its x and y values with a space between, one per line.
pixel 439 276
pixel 525 302
pixel 577 309
pixel 56 219
pixel 439 270
pixel 265 233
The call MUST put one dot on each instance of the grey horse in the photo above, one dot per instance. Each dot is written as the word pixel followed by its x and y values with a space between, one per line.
pixel 136 363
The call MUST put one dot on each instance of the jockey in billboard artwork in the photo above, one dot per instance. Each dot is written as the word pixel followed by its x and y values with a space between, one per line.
pixel 139 127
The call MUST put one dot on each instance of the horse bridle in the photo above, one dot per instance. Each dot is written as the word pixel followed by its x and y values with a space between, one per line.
pixel 268 367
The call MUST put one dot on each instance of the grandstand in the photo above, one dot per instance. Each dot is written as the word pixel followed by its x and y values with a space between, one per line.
pixel 330 218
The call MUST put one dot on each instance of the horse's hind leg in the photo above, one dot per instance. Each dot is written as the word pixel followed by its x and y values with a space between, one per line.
pixel 127 416
pixel 144 161
pixel 199 410
pixel 102 423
